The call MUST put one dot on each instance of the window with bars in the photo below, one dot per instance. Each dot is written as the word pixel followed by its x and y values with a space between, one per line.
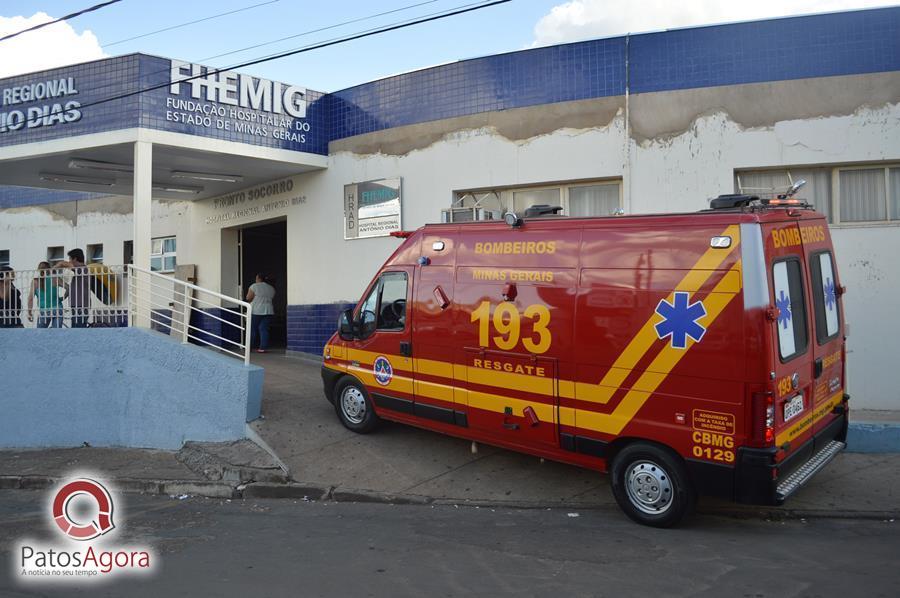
pixel 95 253
pixel 56 254
pixel 4 257
pixel 162 255
pixel 845 194
pixel 601 198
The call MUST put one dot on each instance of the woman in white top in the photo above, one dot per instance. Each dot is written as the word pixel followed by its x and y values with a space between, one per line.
pixel 260 295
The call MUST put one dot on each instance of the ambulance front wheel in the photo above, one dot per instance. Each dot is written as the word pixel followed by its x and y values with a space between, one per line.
pixel 651 485
pixel 353 406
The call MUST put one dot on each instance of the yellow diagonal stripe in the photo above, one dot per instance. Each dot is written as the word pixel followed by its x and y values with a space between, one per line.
pixel 656 373
pixel 646 336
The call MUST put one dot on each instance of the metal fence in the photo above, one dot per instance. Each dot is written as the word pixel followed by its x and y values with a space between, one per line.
pixel 97 295
pixel 52 297
pixel 189 312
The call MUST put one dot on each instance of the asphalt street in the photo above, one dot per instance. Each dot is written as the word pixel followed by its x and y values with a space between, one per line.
pixel 208 547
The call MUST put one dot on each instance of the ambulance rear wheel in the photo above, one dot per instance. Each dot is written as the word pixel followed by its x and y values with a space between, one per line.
pixel 353 406
pixel 651 485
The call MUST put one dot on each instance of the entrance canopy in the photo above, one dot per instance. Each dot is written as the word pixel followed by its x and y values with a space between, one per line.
pixel 190 170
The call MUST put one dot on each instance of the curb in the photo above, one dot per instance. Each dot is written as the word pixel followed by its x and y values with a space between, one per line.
pixel 314 492
pixel 131 486
pixel 873 437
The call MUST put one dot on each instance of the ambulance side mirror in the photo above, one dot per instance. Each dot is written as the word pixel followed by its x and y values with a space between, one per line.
pixel 346 329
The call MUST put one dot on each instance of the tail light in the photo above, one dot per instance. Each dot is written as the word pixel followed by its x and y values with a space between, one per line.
pixel 764 418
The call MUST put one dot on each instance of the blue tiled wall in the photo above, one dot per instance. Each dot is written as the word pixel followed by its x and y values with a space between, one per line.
pixel 208 321
pixel 17 197
pixel 310 326
pixel 791 48
pixel 160 320
pixel 540 76
pixel 100 79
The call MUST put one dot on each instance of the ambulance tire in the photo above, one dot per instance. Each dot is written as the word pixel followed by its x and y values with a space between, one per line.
pixel 353 406
pixel 651 485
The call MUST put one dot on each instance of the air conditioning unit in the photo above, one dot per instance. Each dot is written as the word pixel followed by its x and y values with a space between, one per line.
pixel 458 215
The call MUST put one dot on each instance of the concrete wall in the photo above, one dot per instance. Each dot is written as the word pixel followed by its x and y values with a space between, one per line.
pixel 119 387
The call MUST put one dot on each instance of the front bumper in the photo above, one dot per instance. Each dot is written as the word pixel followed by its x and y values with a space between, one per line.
pixel 329 379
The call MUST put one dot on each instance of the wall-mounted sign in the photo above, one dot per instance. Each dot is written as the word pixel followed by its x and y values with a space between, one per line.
pixel 372 208
pixel 270 199
pixel 39 104
pixel 235 102
pixel 99 96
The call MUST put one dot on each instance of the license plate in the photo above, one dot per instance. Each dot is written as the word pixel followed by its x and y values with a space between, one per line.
pixel 793 408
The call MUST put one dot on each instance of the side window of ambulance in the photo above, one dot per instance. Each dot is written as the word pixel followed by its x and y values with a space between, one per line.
pixel 791 323
pixel 385 307
pixel 821 268
pixel 368 311
pixel 392 310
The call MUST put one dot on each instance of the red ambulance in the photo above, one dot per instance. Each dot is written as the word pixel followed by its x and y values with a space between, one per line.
pixel 686 354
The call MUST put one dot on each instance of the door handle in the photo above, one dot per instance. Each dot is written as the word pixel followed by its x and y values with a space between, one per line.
pixel 405 348
pixel 818 368
pixel 511 426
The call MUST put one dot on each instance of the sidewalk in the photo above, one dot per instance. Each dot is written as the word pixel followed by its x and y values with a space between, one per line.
pixel 399 463
pixel 420 466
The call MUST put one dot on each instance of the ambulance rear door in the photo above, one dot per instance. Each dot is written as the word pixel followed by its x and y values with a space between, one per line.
pixel 793 353
pixel 828 334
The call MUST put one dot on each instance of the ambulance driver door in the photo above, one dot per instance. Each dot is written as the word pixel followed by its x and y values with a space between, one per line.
pixel 382 356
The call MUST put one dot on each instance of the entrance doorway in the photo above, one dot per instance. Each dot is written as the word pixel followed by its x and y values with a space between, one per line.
pixel 264 250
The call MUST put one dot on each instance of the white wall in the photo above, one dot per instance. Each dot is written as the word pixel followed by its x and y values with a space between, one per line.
pixel 28 232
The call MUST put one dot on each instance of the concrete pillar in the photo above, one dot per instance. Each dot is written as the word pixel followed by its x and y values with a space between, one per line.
pixel 143 193
pixel 140 303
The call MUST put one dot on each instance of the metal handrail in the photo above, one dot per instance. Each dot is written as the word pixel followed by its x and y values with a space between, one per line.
pixel 145 299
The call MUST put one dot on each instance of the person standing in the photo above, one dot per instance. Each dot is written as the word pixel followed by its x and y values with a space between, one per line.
pixel 10 300
pixel 260 295
pixel 46 287
pixel 79 288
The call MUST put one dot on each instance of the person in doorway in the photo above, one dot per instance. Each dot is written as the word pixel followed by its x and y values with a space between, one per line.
pixel 46 287
pixel 10 300
pixel 260 295
pixel 79 288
